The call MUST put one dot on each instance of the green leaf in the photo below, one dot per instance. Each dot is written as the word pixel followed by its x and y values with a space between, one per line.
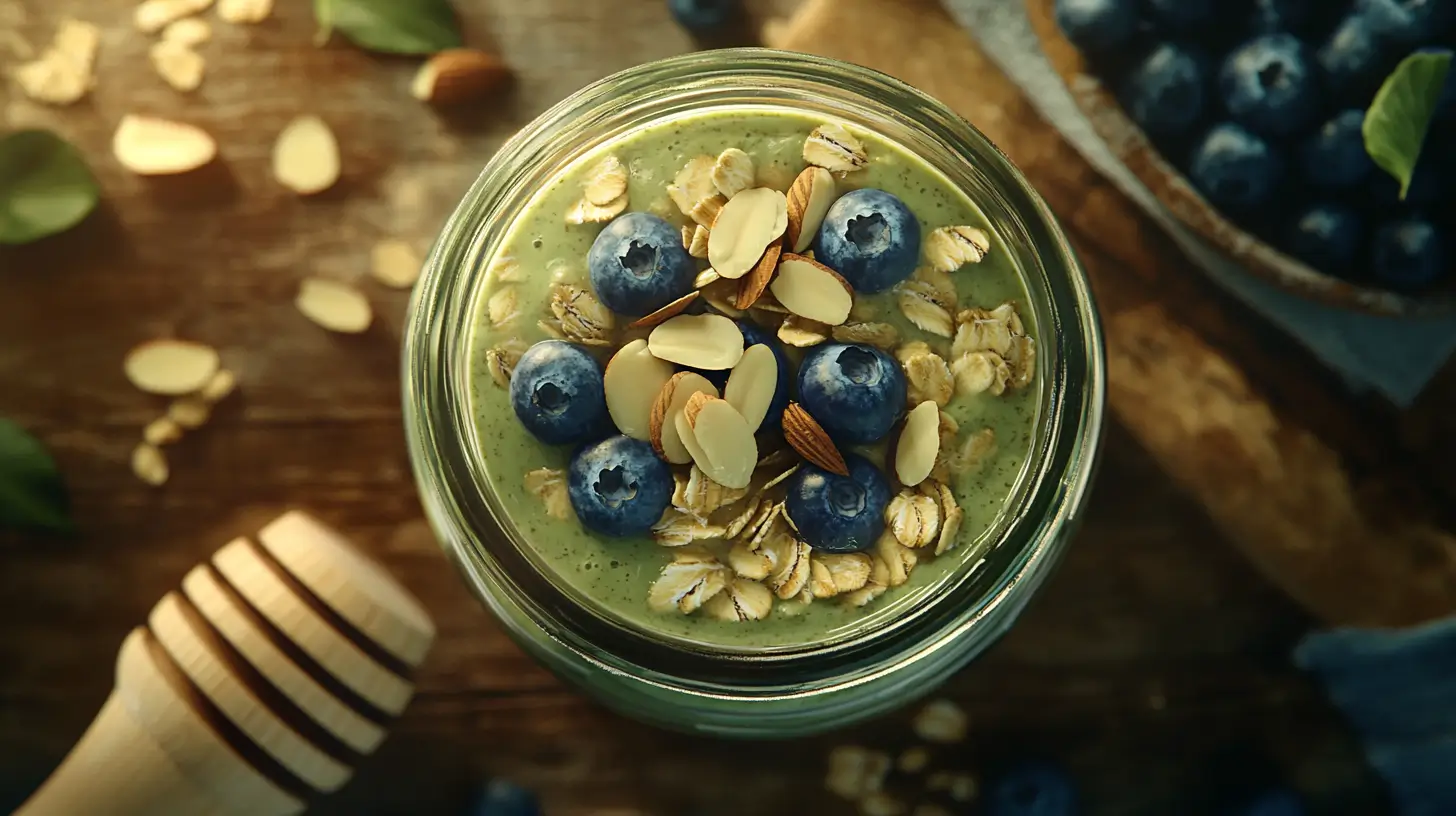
pixel 390 26
pixel 1396 124
pixel 32 495
pixel 45 187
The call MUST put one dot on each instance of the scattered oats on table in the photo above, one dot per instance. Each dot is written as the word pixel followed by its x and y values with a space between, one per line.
pixel 941 721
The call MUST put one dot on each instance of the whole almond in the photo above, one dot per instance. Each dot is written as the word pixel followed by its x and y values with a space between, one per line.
pixel 805 435
pixel 751 287
pixel 458 75
pixel 809 199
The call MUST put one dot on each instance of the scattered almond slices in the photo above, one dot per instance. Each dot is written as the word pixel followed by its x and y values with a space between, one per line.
pixel 684 586
pixel 63 73
pixel 149 464
pixel 672 309
pixel 729 450
pixel 722 295
pixel 189 412
pixel 874 587
pixel 161 431
pixel 154 15
pixel 706 278
pixel 899 560
pixel 809 199
pixel 981 372
pixel 501 361
pixel 394 263
pixel 769 305
pixel 880 335
pixel 676 529
pixel 693 183
pixel 928 379
pixel 707 341
pixel 982 330
pixel 810 289
pixel 805 435
pixel 503 307
pixel 752 384
pixel 950 516
pixel 949 248
pixel 913 518
pixel 741 600
pixel 631 382
pixel 456 76
pixel 582 316
pixel 752 286
pixel 177 64
pixel 1021 358
pixel 697 495
pixel 801 332
pixel 157 147
pixel 833 574
pixel 732 172
pixel 334 305
pixel 669 404
pixel 919 444
pixel 791 559
pixel 978 449
pixel 306 156
pixel 606 182
pixel 171 368
pixel 744 228
pixel 240 12
pixel 696 242
pixel 834 148
pixel 921 304
pixel 585 212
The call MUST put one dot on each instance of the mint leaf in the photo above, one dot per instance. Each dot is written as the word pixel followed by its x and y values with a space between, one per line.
pixel 390 26
pixel 1396 123
pixel 45 187
pixel 32 495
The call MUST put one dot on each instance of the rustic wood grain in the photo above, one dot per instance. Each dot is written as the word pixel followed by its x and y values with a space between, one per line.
pixel 1155 663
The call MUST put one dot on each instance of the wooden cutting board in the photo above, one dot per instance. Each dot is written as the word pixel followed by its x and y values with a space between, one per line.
pixel 1307 484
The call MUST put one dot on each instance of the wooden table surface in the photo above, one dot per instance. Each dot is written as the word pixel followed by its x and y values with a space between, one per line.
pixel 1155 663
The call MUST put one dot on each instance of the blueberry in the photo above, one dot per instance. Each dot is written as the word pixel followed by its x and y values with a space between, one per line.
pixel 638 264
pixel 756 335
pixel 1273 803
pixel 1408 22
pixel 839 514
pixel 556 390
pixel 1033 789
pixel 1164 92
pixel 855 391
pixel 1352 60
pixel 703 15
pixel 1097 25
pixel 1268 86
pixel 1270 16
pixel 871 238
pixel 1234 168
pixel 1408 254
pixel 1179 16
pixel 618 486
pixel 1327 237
pixel 1334 156
pixel 501 798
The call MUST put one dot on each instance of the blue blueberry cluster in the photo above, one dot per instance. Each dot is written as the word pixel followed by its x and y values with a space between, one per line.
pixel 1261 103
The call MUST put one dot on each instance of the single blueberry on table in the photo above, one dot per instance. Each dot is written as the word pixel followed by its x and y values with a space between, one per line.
pixel 618 486
pixel 1163 93
pixel 855 391
pixel 1270 16
pixel 1408 22
pixel 756 335
pixel 1352 61
pixel 1327 237
pixel 1032 789
pixel 1268 85
pixel 501 798
pixel 1179 16
pixel 1097 25
pixel 1235 169
pixel 1334 156
pixel 1409 254
pixel 839 514
pixel 870 238
pixel 703 15
pixel 638 264
pixel 556 390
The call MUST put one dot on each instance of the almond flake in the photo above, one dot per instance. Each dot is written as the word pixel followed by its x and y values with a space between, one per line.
pixel 950 248
pixel 791 559
pixel 755 565
pixel 501 361
pixel 732 172
pixel 980 330
pixel 585 212
pixel 742 600
pixel 306 156
pixel 752 286
pixel 722 295
pixel 667 407
pixel 582 316
pixel 697 243
pixel 918 304
pixel 728 449
pixel 899 560
pixel 919 443
pixel 978 448
pixel 1021 358
pixel 801 332
pixel 836 573
pixel 334 305
pixel 981 371
pixel 679 529
pixel 162 431
pixel 700 496
pixel 913 518
pixel 738 523
pixel 606 182
pixel 810 289
pixel 878 582
pixel 880 335
pixel 190 31
pixel 189 412
pixel 149 464
pixel 693 183
pixel 504 268
pixel 244 11
pixel 170 367
pixel 809 199
pixel 928 378
pixel 808 437
pixel 177 64
pixel 706 278
pixel 632 381
pixel 502 308
pixel 753 383
pixel 707 341
pixel 157 147
pixel 748 223
pixel 941 721
pixel 686 586
pixel 834 148
pixel 394 263
pixel 672 309
pixel 950 519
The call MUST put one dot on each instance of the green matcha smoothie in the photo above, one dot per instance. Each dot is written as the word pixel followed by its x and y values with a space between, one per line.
pixel 542 249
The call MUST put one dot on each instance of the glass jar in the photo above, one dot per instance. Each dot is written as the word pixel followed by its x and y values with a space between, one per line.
pixel 776 693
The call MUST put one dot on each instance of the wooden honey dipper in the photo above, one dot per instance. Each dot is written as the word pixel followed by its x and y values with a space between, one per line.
pixel 253 689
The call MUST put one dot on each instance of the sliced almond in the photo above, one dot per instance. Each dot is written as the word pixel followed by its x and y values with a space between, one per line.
pixel 550 487
pixel 950 248
pixel 810 289
pixel 928 378
pixel 707 341
pixel 950 519
pixel 672 309
pixel 732 172
pixel 242 12
pixel 899 559
pixel 834 148
pixel 585 212
pixel 394 263
pixel 809 199
pixel 741 600
pixel 801 332
pixel 667 407
pixel 919 444
pixel 769 304
pixel 697 243
pixel 880 335
pixel 913 518
pixel 582 316
pixel 306 156
pixel 219 387
pixel 706 278
pixel 170 367
pixel 722 295
pixel 918 302
pixel 162 431
pixel 728 449
pixel 458 75
pixel 805 435
pixel 149 464
pixel 751 386
pixel 979 372
pixel 334 305
pixel 684 586
pixel 606 182
pixel 177 64
pixel 632 381
pixel 748 223
pixel 503 307
pixel 693 183
pixel 751 287
pixel 157 147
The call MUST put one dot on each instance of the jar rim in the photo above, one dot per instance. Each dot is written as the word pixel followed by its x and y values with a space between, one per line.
pixel 435 406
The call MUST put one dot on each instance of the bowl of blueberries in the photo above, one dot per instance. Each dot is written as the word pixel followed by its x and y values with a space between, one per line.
pixel 1248 120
